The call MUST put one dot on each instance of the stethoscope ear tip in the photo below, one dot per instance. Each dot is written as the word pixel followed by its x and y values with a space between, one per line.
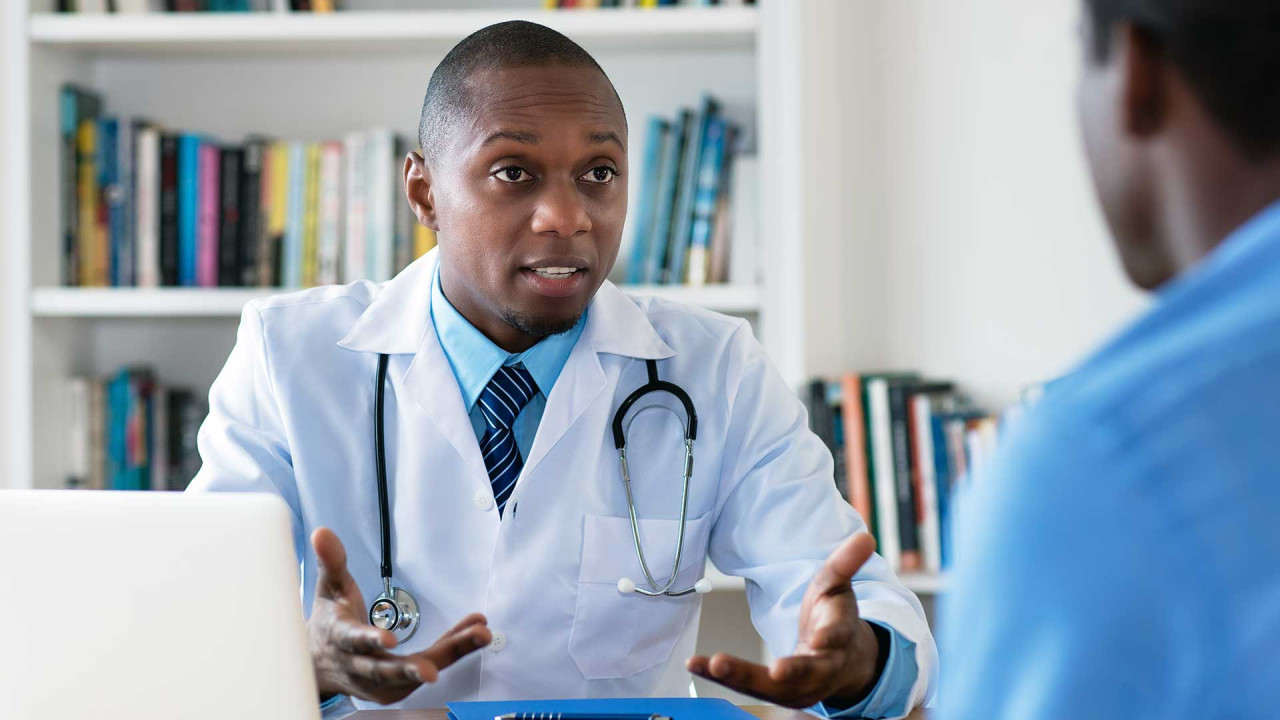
pixel 702 587
pixel 626 586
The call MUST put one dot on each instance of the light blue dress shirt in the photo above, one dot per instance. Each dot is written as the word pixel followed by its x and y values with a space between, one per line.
pixel 1119 559
pixel 474 359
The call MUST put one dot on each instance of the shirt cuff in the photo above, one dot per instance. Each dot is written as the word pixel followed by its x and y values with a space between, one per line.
pixel 338 706
pixel 891 695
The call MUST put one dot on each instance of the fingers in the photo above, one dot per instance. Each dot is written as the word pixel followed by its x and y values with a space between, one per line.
pixel 467 637
pixel 388 671
pixel 360 639
pixel 737 674
pixel 466 622
pixel 334 578
pixel 843 563
pixel 803 671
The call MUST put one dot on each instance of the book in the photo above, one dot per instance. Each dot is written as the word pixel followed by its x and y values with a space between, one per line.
pixel 424 239
pixel 310 211
pixel 668 189
pixel 89 228
pixel 147 214
pixel 403 219
pixel 271 257
pixel 329 233
pixel 75 106
pixel 188 207
pixel 922 403
pixel 821 419
pixel 657 137
pixel 857 482
pixel 722 218
pixel 705 196
pixel 291 275
pixel 110 199
pixel 354 180
pixel 229 225
pixel 881 463
pixel 207 215
pixel 379 205
pixel 689 167
pixel 252 221
pixel 127 174
pixel 169 210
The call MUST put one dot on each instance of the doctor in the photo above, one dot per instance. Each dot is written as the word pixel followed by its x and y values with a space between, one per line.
pixel 508 355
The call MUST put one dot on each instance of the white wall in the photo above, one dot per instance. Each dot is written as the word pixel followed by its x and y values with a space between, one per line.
pixel 981 247
pixel 4 193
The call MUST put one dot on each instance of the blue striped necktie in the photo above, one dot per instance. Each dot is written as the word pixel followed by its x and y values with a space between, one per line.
pixel 503 398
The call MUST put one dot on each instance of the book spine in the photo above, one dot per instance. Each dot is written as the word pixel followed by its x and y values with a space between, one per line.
pixel 229 244
pixel 680 237
pixel 704 202
pixel 147 212
pixel 908 534
pixel 353 261
pixel 855 461
pixel 188 204
pixel 97 433
pixel 110 200
pixel 926 483
pixel 310 214
pixel 291 277
pixel 888 539
pixel 128 183
pixel 330 234
pixel 276 199
pixel 159 440
pixel 78 432
pixel 722 217
pixel 88 195
pixel 252 223
pixel 380 206
pixel 169 213
pixel 656 138
pixel 69 183
pixel 207 237
pixel 402 217
pixel 942 478
pixel 424 239
pixel 667 191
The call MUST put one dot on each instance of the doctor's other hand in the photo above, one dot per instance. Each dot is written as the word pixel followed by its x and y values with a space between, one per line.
pixel 837 655
pixel 350 656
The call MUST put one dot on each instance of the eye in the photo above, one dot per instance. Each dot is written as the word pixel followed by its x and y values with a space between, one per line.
pixel 599 175
pixel 513 174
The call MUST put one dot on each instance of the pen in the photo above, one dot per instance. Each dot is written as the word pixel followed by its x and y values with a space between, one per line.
pixel 579 716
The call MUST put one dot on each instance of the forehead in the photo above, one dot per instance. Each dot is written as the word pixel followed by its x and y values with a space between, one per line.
pixel 543 99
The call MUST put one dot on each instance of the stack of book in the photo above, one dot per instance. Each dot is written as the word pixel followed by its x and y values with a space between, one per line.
pixel 685 220
pixel 129 432
pixel 145 206
pixel 156 6
pixel 902 445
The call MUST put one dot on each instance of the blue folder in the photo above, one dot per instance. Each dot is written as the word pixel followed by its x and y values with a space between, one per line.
pixel 675 708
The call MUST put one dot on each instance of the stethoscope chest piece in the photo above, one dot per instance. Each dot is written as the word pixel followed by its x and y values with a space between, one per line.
pixel 397 611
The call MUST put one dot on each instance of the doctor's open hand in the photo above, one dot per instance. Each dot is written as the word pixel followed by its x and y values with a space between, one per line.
pixel 837 655
pixel 351 657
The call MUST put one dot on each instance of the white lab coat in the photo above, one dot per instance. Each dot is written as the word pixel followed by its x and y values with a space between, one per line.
pixel 292 414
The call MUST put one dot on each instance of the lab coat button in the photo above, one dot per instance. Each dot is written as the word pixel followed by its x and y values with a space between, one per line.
pixel 484 499
pixel 499 642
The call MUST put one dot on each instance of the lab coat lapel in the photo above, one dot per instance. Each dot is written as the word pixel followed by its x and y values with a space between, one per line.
pixel 615 326
pixel 398 321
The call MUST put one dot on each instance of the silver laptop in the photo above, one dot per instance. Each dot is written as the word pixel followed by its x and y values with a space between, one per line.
pixel 150 605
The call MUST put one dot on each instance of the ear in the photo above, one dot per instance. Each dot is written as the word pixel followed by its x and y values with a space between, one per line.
pixel 1143 67
pixel 419 190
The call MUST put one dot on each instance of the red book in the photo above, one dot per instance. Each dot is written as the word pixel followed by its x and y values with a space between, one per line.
pixel 207 228
pixel 858 485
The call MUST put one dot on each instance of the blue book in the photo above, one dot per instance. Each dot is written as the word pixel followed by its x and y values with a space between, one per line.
pixel 291 277
pixel 942 476
pixel 705 195
pixel 679 708
pixel 188 203
pixel 112 196
pixel 116 427
pixel 674 153
pixel 682 223
pixel 656 140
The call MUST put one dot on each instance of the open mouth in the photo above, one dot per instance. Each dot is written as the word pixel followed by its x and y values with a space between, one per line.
pixel 554 273
pixel 556 281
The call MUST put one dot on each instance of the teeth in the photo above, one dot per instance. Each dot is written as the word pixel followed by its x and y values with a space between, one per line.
pixel 555 272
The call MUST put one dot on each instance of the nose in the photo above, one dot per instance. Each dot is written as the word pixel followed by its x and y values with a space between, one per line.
pixel 560 210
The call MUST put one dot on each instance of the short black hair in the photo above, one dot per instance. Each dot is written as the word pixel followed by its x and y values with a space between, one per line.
pixel 1228 50
pixel 516 43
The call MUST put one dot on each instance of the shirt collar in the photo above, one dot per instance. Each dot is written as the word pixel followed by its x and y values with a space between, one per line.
pixel 474 358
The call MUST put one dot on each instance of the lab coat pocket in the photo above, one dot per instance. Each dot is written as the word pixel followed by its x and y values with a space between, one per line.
pixel 618 634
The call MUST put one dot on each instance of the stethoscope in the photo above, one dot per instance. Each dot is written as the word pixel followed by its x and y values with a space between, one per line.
pixel 396 610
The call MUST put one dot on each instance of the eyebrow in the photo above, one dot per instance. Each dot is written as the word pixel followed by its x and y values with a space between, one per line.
pixel 600 138
pixel 527 138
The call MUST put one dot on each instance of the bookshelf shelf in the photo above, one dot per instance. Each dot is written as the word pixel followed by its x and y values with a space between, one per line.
pixel 361 32
pixel 228 302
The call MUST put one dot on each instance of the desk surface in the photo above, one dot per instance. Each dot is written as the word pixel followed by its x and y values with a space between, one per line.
pixel 764 712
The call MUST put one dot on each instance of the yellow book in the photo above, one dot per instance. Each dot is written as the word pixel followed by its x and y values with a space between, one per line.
pixel 549 4
pixel 322 6
pixel 277 210
pixel 424 238
pixel 648 3
pixel 90 236
pixel 310 214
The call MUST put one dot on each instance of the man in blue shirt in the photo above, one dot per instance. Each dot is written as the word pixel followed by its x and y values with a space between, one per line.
pixel 1118 559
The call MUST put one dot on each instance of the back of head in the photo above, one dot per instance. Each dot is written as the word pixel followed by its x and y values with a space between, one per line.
pixel 1228 51
pixel 512 44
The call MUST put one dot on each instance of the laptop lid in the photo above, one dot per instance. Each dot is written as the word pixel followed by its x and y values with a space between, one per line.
pixel 150 605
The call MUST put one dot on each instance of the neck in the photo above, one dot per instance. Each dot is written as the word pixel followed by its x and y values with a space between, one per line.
pixel 1216 191
pixel 487 320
